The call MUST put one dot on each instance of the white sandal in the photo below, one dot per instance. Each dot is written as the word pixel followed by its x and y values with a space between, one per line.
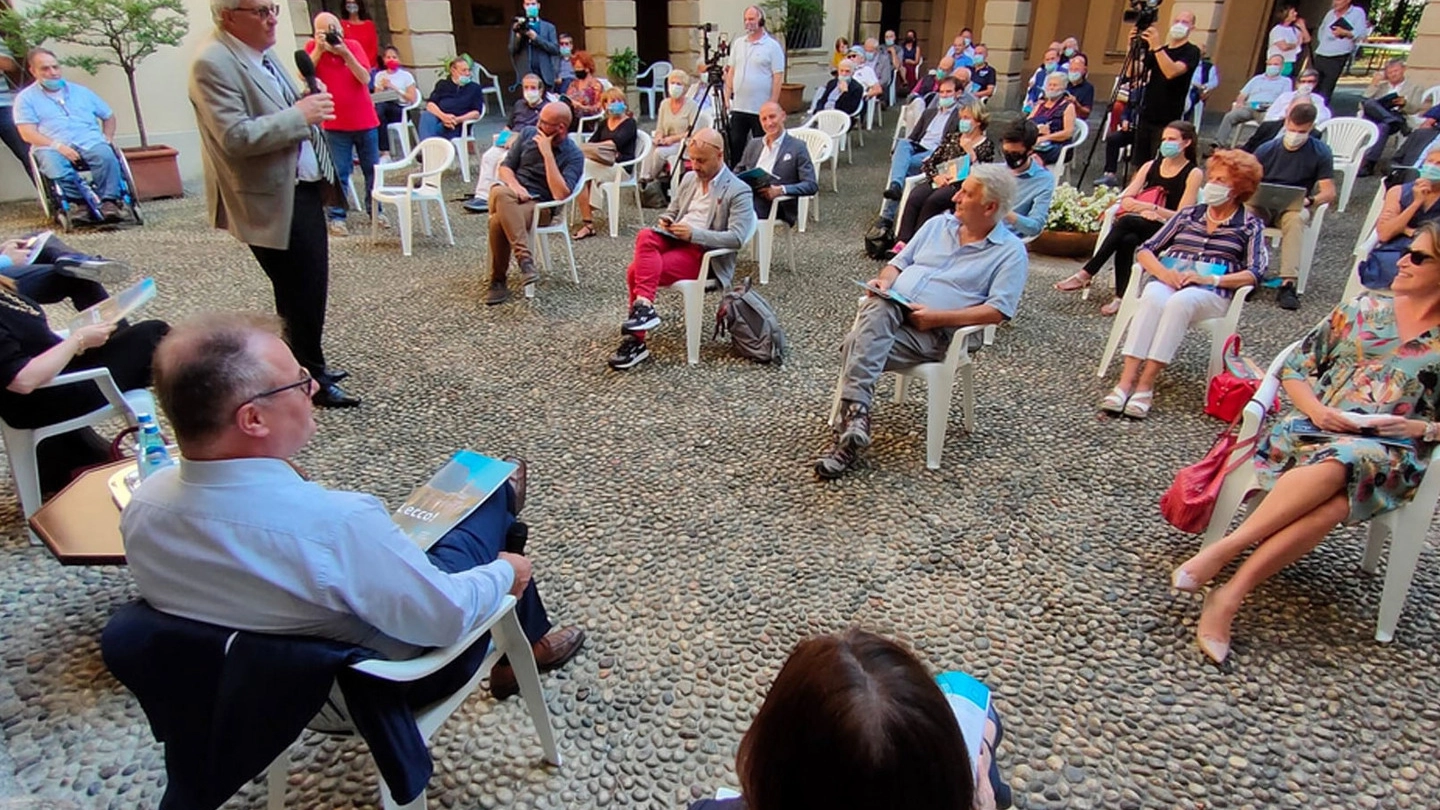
pixel 1138 406
pixel 1114 402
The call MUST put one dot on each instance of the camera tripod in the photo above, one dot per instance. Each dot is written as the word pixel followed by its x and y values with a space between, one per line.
pixel 1135 75
pixel 715 94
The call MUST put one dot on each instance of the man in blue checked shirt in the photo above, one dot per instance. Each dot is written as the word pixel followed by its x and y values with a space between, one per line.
pixel 949 276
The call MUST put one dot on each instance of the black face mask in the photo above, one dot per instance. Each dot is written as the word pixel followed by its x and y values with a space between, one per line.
pixel 1016 159
pixel 580 74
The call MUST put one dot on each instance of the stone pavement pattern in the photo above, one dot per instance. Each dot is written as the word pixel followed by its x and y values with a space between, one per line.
pixel 674 514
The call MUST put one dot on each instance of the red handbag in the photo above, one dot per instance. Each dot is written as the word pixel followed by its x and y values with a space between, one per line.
pixel 1233 386
pixel 1190 501
pixel 1153 195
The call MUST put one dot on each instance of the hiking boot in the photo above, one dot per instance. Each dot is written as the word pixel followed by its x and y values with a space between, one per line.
pixel 642 318
pixel 855 429
pixel 528 273
pixel 1287 298
pixel 498 294
pixel 835 461
pixel 631 353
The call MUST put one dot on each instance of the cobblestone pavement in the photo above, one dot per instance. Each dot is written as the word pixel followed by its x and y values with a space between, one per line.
pixel 674 514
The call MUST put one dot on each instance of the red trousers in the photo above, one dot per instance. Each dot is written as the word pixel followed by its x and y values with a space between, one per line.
pixel 660 260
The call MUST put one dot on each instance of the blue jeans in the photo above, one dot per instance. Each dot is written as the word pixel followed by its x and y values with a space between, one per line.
pixel 904 163
pixel 430 127
pixel 344 144
pixel 104 171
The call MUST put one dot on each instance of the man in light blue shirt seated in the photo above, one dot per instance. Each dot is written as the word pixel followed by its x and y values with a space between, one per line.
pixel 961 269
pixel 236 537
pixel 67 123
pixel 1255 98
pixel 940 118
pixel 1035 183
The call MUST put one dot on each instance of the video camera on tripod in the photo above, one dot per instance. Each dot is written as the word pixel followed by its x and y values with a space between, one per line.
pixel 1143 13
pixel 714 71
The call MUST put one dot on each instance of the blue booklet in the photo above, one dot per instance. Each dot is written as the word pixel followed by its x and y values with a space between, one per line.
pixel 970 700
pixel 1185 264
pixel 888 295
pixel 467 480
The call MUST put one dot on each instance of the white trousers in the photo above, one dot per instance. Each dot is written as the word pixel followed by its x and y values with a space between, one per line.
pixel 489 171
pixel 1165 316
pixel 651 165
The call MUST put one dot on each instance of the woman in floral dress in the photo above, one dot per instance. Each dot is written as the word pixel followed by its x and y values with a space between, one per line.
pixel 1372 355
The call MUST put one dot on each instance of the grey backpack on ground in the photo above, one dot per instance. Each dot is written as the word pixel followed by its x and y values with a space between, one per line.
pixel 750 321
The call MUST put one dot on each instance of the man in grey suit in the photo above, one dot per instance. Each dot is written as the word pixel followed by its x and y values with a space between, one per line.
pixel 534 46
pixel 786 159
pixel 263 176
pixel 712 209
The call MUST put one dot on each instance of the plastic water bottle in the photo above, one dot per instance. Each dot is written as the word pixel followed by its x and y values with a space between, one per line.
pixel 153 455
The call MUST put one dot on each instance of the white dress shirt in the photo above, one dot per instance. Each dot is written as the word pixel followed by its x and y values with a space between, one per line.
pixel 697 216
pixel 249 544
pixel 1281 106
pixel 768 153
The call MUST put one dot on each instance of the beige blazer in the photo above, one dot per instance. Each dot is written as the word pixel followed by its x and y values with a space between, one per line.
pixel 251 142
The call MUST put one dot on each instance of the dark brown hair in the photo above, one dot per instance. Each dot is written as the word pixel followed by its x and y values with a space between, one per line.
pixel 1187 132
pixel 206 367
pixel 854 720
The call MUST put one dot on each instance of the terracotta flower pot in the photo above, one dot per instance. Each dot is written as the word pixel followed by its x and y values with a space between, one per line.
pixel 156 171
pixel 792 97
pixel 1065 244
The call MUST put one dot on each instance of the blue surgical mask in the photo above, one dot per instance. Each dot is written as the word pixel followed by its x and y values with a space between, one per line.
pixel 945 102
pixel 1051 66
pixel 1075 77
pixel 463 80
pixel 1430 172
pixel 964 125
pixel 939 73
pixel 1169 149
pixel 532 11
pixel 1272 70
pixel 53 85
pixel 616 108
pixel 565 50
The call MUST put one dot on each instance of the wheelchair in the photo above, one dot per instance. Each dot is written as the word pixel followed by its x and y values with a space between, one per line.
pixel 70 213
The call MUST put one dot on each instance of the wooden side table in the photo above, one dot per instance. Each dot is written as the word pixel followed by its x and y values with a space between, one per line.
pixel 81 524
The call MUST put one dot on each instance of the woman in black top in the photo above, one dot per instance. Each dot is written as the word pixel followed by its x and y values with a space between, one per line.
pixel 1163 186
pixel 618 127
pixel 31 355
pixel 968 140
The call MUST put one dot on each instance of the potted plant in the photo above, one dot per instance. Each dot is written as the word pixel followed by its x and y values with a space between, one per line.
pixel 1074 221
pixel 122 33
pixel 798 22
pixel 623 67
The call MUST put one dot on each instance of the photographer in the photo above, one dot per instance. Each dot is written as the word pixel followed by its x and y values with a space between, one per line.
pixel 341 64
pixel 534 46
pixel 1170 62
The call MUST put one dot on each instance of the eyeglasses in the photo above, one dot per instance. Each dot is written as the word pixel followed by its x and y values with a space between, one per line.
pixel 1418 257
pixel 263 12
pixel 304 382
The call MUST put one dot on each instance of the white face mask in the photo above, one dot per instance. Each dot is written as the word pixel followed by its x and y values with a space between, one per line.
pixel 532 97
pixel 1214 193
pixel 1293 140
pixel 1179 31
pixel 677 90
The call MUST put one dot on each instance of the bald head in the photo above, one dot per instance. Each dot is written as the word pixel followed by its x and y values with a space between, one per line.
pixel 554 119
pixel 707 153
pixel 708 137
pixel 772 120
pixel 207 366
pixel 325 21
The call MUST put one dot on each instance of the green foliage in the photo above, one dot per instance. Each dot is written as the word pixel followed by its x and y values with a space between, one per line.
pixel 443 71
pixel 122 33
pixel 623 67
pixel 1397 18
pixel 799 22
pixel 13 32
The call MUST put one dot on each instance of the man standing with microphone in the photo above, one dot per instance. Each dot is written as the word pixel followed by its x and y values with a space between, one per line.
pixel 264 175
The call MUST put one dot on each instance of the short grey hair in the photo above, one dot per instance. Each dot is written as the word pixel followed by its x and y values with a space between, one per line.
pixel 1393 61
pixel 218 7
pixel 999 184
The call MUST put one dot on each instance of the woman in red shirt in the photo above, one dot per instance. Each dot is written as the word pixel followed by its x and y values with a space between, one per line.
pixel 358 26
pixel 346 75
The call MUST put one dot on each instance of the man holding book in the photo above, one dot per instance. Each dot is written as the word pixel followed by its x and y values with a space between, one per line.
pixel 313 562
pixel 1390 100
pixel 785 160
pixel 961 269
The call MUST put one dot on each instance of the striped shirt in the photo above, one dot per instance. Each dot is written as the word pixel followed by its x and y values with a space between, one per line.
pixel 1238 243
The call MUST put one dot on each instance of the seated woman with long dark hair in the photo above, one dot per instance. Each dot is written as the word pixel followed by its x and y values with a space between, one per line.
pixel 968 140
pixel 31 355
pixel 1160 188
pixel 854 720
pixel 1375 355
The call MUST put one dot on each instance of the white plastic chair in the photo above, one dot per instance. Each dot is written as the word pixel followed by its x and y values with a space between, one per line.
pixel 836 124
pixel 1348 138
pixel 491 89
pixel 820 146
pixel 625 177
pixel 1220 328
pixel 1197 114
pixel 402 134
pixel 1067 152
pixel 559 226
pixel 464 144
pixel 653 93
pixel 939 380
pixel 912 182
pixel 507 638
pixel 909 115
pixel 1405 527
pixel 433 157
pixel 1106 223
pixel 1309 237
pixel 764 242
pixel 693 292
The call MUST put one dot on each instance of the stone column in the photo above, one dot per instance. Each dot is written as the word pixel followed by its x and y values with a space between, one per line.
pixel 870 21
pixel 1005 33
pixel 1423 66
pixel 916 14
pixel 609 26
pixel 685 40
pixel 422 30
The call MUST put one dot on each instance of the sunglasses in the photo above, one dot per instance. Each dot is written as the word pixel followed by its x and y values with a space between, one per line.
pixel 1418 257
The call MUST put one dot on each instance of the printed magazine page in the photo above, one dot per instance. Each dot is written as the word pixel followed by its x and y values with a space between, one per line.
pixel 464 483
pixel 115 307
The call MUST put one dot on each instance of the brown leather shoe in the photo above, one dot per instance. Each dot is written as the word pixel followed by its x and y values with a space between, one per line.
pixel 552 651
pixel 498 294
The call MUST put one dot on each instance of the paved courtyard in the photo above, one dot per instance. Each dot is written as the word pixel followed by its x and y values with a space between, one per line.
pixel 675 516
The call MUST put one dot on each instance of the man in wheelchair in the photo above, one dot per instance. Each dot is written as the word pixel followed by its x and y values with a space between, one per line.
pixel 69 127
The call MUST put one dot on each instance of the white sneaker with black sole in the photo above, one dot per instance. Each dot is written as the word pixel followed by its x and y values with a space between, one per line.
pixel 642 318
pixel 631 353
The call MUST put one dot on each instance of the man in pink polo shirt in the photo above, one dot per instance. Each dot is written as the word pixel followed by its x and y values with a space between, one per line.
pixel 341 65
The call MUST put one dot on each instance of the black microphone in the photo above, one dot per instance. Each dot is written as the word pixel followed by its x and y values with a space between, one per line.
pixel 306 66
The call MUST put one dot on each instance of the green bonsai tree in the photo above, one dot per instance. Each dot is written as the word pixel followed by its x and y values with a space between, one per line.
pixel 797 22
pixel 623 67
pixel 122 33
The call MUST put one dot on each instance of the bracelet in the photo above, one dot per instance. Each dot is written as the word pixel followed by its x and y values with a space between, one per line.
pixel 1432 431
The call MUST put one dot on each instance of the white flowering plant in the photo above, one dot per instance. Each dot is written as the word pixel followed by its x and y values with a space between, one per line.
pixel 1079 213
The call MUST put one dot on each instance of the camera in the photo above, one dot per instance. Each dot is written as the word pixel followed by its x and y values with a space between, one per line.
pixel 520 26
pixel 1142 13
pixel 333 38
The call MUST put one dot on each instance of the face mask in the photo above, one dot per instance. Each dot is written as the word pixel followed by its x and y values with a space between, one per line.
pixel 938 73
pixel 844 77
pixel 945 102
pixel 889 40
pixel 677 90
pixel 463 80
pixel 1214 193
pixel 1179 31
pixel 1069 52
pixel 566 50
pixel 1051 66
pixel 1293 140
pixel 870 56
pixel 352 8
pixel 979 60
pixel 392 65
pixel 532 11
pixel 53 85
pixel 616 108
pixel 1169 149
pixel 1430 173
pixel 581 73
pixel 532 97
pixel 1054 94
pixel 1076 77
pixel 1016 159
pixel 964 125
pixel 1272 70
pixel 1305 89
